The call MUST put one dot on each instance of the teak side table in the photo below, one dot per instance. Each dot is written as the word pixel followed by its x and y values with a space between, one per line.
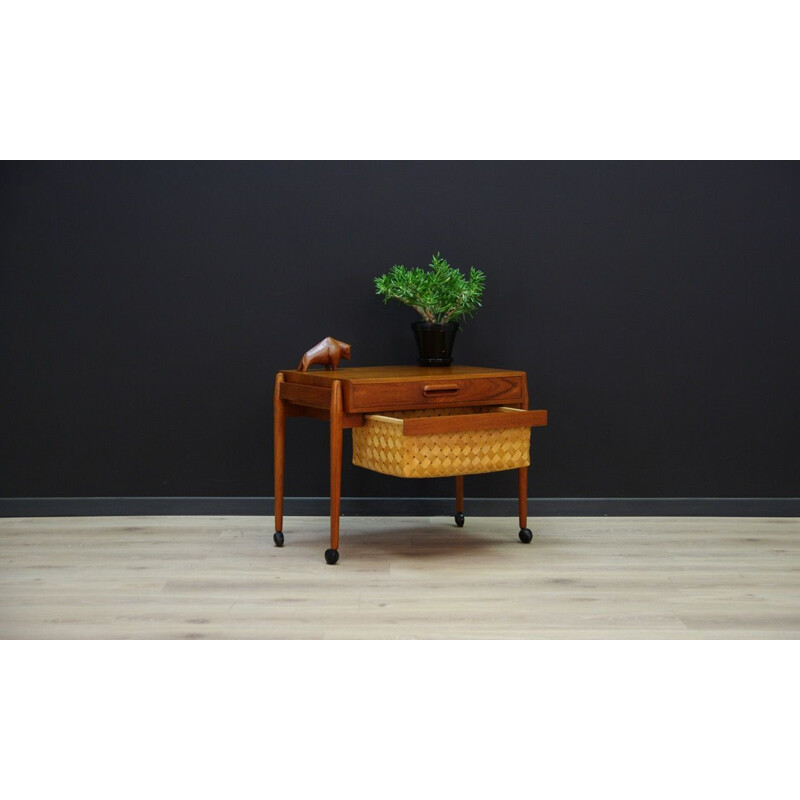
pixel 351 397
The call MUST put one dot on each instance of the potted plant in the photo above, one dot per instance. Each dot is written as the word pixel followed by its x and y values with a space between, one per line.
pixel 442 296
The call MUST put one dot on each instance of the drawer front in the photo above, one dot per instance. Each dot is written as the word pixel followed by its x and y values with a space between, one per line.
pixel 363 397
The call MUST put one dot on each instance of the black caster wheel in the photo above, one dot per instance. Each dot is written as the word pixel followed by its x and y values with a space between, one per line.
pixel 525 535
pixel 278 538
pixel 331 556
pixel 460 519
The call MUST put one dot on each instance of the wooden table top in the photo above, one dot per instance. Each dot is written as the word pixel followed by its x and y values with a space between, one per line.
pixel 395 374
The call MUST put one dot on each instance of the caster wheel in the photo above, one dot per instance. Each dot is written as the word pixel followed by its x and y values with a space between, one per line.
pixel 459 519
pixel 525 535
pixel 331 556
pixel 278 538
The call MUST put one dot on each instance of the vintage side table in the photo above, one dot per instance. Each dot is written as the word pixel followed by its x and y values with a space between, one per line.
pixel 412 422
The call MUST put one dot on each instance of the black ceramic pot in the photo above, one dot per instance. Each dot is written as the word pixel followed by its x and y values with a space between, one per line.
pixel 435 342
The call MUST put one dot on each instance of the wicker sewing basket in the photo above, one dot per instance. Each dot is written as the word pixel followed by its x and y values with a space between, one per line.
pixel 383 444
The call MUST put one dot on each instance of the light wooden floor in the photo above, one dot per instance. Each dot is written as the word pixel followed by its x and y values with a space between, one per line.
pixel 221 577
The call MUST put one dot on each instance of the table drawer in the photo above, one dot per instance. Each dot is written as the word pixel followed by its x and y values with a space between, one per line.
pixel 432 392
pixel 441 442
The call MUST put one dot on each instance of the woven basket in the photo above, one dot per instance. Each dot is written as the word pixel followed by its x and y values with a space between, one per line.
pixel 381 445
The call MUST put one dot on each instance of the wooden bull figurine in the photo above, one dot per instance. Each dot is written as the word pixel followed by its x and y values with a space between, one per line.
pixel 328 352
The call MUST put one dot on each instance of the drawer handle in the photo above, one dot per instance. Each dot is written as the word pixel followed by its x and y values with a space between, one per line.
pixel 434 389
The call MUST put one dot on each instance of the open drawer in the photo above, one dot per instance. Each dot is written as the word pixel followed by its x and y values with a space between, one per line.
pixel 440 442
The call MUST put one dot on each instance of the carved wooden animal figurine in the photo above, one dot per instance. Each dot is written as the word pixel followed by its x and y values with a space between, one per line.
pixel 328 352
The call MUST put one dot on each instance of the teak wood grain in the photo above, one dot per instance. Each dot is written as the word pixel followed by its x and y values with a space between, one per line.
pixel 395 374
pixel 366 389
pixel 313 396
pixel 336 461
pixel 422 394
pixel 279 433
pixel 324 414
pixel 513 418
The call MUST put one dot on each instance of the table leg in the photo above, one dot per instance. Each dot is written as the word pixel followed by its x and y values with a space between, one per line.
pixel 460 501
pixel 525 534
pixel 523 496
pixel 332 555
pixel 279 439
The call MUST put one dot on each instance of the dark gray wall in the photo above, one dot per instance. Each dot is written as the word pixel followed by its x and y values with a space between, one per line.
pixel 145 307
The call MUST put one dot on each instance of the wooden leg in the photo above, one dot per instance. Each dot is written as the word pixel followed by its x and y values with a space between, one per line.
pixel 460 501
pixel 332 555
pixel 524 533
pixel 279 438
pixel 523 497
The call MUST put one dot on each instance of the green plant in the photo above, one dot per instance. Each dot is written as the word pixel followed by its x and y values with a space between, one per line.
pixel 440 294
